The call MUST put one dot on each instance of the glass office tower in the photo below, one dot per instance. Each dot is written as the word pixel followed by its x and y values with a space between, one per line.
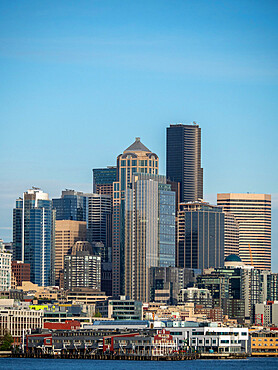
pixel 200 232
pixel 33 230
pixel 103 179
pixel 99 228
pixel 71 206
pixel 149 231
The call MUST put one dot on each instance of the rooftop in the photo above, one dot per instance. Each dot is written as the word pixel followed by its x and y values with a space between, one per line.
pixel 137 146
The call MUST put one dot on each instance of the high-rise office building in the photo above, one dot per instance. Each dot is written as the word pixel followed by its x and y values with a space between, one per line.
pixel 33 230
pixel 200 235
pixel 137 158
pixel 82 269
pixel 67 233
pixel 99 227
pixel 253 214
pixel 103 179
pixel 183 160
pixel 71 206
pixel 149 221
pixel 231 238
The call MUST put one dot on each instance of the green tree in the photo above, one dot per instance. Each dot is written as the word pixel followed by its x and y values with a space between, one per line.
pixel 6 342
pixel 98 314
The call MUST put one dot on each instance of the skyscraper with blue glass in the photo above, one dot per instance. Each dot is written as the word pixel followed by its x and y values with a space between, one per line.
pixel 149 231
pixel 71 206
pixel 33 231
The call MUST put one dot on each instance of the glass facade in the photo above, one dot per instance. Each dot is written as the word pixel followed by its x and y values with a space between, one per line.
pixel 33 225
pixel 149 231
pixel 137 158
pixel 99 228
pixel 200 236
pixel 167 230
pixel 71 206
pixel 104 175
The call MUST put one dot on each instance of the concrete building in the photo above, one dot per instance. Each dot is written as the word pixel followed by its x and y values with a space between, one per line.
pixel 149 220
pixel 5 268
pixel 33 235
pixel 266 314
pixel 200 233
pixel 253 213
pixel 67 233
pixel 18 320
pixel 196 296
pixel 166 283
pixel 125 309
pixel 21 271
pixel 183 160
pixel 86 296
pixel 137 158
pixel 82 268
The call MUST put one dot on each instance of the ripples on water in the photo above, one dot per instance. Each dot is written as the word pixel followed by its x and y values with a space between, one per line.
pixel 49 364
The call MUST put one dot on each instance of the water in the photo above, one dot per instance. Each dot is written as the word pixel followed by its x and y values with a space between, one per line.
pixel 50 364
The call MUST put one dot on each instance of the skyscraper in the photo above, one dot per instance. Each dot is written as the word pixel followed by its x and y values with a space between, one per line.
pixel 253 213
pixel 200 235
pixel 183 160
pixel 71 206
pixel 82 269
pixel 33 230
pixel 137 158
pixel 149 221
pixel 231 243
pixel 99 228
pixel 103 179
pixel 67 233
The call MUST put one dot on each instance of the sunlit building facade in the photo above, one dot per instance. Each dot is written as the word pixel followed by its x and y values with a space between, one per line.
pixel 149 220
pixel 137 158
pixel 33 229
pixel 253 214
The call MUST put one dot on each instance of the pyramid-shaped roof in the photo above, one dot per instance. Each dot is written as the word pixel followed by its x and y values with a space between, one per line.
pixel 137 146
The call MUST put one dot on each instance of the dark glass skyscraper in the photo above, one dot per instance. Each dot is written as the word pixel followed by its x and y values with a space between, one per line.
pixel 71 206
pixel 200 235
pixel 103 179
pixel 183 160
pixel 99 227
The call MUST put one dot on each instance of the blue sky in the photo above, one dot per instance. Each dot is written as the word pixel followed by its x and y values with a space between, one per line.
pixel 80 80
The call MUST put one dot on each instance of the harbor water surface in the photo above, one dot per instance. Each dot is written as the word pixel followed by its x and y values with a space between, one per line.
pixel 53 364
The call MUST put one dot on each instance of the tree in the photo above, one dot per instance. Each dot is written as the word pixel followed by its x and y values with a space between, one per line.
pixel 98 314
pixel 6 342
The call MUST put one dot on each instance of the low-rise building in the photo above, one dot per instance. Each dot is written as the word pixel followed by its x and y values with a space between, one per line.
pixel 19 320
pixel 85 296
pixel 21 271
pixel 264 341
pixel 196 296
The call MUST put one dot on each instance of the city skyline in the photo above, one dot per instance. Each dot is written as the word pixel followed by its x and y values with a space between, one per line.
pixel 101 76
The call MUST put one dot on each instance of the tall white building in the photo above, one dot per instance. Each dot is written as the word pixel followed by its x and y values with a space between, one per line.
pixel 5 267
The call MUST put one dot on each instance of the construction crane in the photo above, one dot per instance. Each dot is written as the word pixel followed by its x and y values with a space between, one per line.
pixel 251 257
